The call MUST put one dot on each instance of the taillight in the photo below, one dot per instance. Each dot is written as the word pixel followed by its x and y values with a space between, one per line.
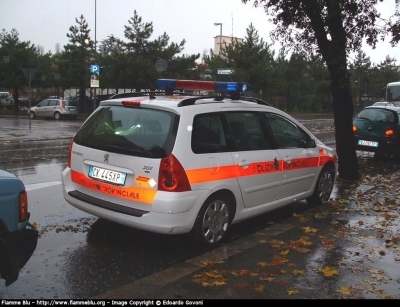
pixel 63 104
pixel 389 133
pixel 70 153
pixel 23 206
pixel 172 177
pixel 354 129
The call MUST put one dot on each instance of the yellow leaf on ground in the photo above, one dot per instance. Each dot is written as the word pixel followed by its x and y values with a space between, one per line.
pixel 267 279
pixel 283 253
pixel 303 250
pixel 330 271
pixel 214 274
pixel 292 291
pixel 298 272
pixel 344 290
pixel 309 229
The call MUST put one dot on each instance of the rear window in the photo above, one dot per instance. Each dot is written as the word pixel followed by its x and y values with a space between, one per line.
pixel 378 115
pixel 132 131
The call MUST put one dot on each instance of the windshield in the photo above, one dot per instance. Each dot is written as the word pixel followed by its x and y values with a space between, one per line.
pixel 138 132
pixel 378 115
pixel 393 93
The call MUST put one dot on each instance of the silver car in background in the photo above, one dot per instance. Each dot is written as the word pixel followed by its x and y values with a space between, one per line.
pixel 55 108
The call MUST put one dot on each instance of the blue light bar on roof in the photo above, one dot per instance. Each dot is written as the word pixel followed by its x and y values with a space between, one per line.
pixel 217 86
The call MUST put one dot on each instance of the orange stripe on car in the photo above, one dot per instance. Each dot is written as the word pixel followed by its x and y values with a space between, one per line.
pixel 133 193
pixel 201 175
pixel 211 174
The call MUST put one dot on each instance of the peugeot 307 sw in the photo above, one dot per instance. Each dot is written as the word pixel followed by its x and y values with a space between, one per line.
pixel 170 162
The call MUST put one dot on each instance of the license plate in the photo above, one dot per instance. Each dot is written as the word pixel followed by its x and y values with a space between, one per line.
pixel 107 175
pixel 368 143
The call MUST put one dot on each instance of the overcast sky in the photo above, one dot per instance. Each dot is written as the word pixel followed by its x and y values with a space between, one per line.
pixel 46 22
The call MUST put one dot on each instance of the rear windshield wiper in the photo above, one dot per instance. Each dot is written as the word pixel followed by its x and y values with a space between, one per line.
pixel 139 151
pixel 367 119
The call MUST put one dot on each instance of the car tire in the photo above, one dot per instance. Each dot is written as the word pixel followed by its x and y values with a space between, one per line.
pixel 323 187
pixel 32 115
pixel 57 115
pixel 213 221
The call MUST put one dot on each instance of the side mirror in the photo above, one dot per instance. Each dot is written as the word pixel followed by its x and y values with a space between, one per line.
pixel 310 143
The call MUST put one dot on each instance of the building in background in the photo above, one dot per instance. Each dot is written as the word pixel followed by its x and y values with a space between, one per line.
pixel 224 41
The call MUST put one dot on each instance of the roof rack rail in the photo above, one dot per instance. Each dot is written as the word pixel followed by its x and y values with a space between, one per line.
pixel 256 100
pixel 192 101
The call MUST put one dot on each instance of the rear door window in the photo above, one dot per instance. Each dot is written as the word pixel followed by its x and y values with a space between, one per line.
pixel 208 134
pixel 133 131
pixel 247 130
pixel 287 134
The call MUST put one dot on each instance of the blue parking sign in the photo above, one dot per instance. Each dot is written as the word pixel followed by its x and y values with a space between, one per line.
pixel 95 69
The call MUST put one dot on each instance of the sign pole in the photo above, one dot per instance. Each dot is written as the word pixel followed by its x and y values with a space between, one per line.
pixel 29 73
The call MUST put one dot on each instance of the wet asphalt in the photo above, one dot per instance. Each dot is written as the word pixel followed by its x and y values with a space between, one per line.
pixel 347 248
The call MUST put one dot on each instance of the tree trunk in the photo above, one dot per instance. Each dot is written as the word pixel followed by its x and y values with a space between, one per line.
pixel 343 119
pixel 15 97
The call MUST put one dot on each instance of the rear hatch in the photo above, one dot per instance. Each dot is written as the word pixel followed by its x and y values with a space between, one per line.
pixel 117 152
pixel 375 125
pixel 374 122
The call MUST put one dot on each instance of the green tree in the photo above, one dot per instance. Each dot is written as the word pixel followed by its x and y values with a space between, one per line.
pixel 330 29
pixel 252 60
pixel 77 57
pixel 143 54
pixel 15 55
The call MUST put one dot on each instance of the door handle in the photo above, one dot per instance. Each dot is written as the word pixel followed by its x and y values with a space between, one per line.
pixel 288 159
pixel 245 164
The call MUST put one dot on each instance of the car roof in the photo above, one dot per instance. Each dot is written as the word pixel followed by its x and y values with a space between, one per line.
pixel 390 107
pixel 174 94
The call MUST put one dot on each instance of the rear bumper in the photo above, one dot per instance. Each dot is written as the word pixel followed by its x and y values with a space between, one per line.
pixel 384 145
pixel 16 248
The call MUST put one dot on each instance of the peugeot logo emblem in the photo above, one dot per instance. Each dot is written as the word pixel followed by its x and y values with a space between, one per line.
pixel 106 156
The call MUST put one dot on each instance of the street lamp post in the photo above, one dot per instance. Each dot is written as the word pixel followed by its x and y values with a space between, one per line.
pixel 220 35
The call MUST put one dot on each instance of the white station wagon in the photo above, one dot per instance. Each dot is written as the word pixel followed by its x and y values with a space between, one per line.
pixel 169 162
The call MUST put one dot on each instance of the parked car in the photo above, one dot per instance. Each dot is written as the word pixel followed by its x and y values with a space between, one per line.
pixel 18 238
pixel 175 164
pixel 383 103
pixel 377 129
pixel 54 108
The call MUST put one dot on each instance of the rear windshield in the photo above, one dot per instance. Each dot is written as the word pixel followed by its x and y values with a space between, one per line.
pixel 133 131
pixel 378 115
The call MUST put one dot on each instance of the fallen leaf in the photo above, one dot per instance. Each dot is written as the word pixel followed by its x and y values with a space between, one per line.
pixel 244 285
pixel 309 229
pixel 329 271
pixel 303 250
pixel 259 288
pixel 284 253
pixel 298 272
pixel 344 290
pixel 292 291
pixel 327 241
pixel 269 279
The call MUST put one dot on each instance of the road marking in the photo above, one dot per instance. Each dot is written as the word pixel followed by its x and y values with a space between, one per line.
pixel 35 186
